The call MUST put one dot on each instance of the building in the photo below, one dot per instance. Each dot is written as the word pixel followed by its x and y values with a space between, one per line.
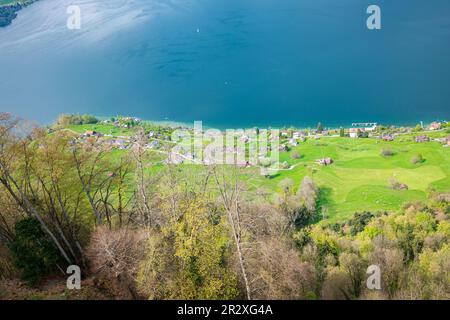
pixel 435 126
pixel 403 186
pixel 119 143
pixel 283 148
pixel 354 132
pixel 422 138
pixel 89 133
pixel 244 138
pixel 324 161
pixel 365 126
pixel 298 134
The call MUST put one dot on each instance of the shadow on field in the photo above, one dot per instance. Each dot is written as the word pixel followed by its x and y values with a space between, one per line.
pixel 324 204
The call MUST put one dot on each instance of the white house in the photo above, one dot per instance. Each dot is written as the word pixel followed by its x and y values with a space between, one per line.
pixel 293 142
pixel 353 132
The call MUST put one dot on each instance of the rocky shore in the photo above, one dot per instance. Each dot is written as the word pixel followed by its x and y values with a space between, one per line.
pixel 9 12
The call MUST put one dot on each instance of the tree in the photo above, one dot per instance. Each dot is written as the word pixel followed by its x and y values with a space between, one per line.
pixel 13 147
pixel 186 259
pixel 230 193
pixel 319 127
pixel 287 186
pixel 299 208
pixel 336 284
pixel 390 260
pixel 359 221
pixel 33 252
pixel 65 120
pixel 341 132
pixel 353 267
pixel 115 256
pixel 308 193
pixel 417 128
pixel 417 159
pixel 295 155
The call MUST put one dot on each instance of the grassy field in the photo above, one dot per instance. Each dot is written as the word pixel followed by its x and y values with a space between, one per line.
pixel 359 177
pixel 102 128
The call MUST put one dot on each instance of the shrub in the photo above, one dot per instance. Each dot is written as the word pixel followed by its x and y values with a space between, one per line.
pixel 417 159
pixel 295 155
pixel 287 185
pixel 359 222
pixel 285 165
pixel 33 252
pixel 364 134
pixel 387 152
pixel 115 256
pixel 394 184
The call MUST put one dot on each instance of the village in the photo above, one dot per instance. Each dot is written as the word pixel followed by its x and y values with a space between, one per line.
pixel 178 149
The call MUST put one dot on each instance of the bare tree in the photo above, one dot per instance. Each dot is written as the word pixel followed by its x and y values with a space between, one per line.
pixel 142 183
pixel 230 193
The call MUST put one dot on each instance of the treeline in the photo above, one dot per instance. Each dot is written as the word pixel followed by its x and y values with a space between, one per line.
pixel 76 119
pixel 410 247
pixel 201 234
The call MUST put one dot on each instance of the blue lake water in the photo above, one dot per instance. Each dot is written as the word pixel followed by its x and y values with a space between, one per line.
pixel 230 63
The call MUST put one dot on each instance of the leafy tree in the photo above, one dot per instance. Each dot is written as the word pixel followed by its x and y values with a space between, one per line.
pixel 417 159
pixel 363 134
pixel 290 133
pixel 33 252
pixel 295 155
pixel 319 127
pixel 287 186
pixel 418 128
pixel 359 222
pixel 187 259
pixel 354 268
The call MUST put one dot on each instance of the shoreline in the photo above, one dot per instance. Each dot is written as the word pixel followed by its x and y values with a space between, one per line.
pixel 8 12
pixel 209 125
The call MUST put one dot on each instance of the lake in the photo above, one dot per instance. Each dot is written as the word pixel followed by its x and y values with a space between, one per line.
pixel 230 63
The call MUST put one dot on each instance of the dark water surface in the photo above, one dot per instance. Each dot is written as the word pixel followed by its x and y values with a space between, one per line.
pixel 230 63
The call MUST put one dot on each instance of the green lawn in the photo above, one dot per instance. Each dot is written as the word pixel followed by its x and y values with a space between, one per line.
pixel 357 180
pixel 359 177
pixel 102 128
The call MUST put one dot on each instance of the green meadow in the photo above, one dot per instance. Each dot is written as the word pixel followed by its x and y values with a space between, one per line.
pixel 359 178
pixel 101 128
